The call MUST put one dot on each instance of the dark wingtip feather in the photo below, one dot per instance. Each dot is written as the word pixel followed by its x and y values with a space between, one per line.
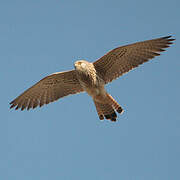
pixel 169 39
pixel 166 37
pixel 13 105
pixel 22 108
pixel 155 53
pixel 28 108
pixel 161 50
pixel 17 107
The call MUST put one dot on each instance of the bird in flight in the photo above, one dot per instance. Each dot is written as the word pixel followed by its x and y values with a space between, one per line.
pixel 92 78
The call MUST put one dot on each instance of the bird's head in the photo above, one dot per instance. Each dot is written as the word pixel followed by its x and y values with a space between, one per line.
pixel 81 65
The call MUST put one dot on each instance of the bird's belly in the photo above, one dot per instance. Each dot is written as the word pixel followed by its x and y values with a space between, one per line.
pixel 95 91
pixel 92 91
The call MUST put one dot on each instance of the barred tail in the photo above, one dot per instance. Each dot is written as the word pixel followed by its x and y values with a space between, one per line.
pixel 107 108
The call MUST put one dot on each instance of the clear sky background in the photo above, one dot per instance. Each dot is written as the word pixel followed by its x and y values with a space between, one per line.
pixel 65 140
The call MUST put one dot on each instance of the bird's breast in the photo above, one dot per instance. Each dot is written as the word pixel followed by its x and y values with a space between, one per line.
pixel 91 83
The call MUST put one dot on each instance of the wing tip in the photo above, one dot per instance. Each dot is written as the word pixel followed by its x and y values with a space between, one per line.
pixel 12 106
pixel 169 38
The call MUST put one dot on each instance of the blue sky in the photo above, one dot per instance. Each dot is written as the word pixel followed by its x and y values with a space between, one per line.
pixel 66 140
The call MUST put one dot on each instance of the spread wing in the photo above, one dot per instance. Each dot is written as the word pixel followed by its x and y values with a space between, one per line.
pixel 123 59
pixel 48 89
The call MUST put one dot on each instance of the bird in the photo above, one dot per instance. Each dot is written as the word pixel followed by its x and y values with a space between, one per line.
pixel 91 77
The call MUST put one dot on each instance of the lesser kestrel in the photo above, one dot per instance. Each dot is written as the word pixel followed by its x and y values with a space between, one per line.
pixel 92 77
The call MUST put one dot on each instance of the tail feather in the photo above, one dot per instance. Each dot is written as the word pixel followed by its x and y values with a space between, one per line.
pixel 106 109
pixel 99 111
pixel 115 104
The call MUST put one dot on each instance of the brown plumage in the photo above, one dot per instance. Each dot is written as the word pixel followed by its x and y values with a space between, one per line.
pixel 108 109
pixel 92 77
